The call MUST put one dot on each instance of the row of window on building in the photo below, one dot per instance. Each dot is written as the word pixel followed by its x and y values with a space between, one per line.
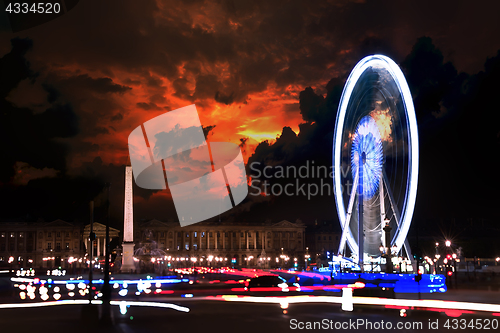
pixel 30 234
pixel 226 234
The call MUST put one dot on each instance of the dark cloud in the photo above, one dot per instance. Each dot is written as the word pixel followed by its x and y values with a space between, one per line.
pixel 30 137
pixel 95 101
pixel 207 130
pixel 14 67
pixel 181 89
pixel 262 43
pixel 430 78
pixel 225 99
pixel 117 117
pixel 309 104
pixel 102 85
pixel 206 86
pixel 147 106
pixel 35 141
pixel 100 130
pixel 157 99
pixel 131 82
pixel 154 82
pixel 53 94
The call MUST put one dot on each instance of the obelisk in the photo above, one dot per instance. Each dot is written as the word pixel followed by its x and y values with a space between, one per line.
pixel 128 225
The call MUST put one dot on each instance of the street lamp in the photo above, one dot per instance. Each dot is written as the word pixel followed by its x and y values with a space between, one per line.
pixel 282 256
pixel 306 258
pixel 447 243
pixel 437 258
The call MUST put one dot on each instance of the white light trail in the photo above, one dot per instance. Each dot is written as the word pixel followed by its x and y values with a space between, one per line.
pixel 152 304
pixel 434 304
pixel 98 302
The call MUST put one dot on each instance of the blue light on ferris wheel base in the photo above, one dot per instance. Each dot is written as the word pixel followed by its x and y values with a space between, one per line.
pixel 367 145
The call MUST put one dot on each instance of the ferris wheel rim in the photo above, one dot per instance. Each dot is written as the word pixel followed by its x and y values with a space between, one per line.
pixel 409 110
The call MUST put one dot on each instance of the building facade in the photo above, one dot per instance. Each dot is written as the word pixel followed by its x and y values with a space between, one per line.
pixel 321 238
pixel 40 244
pixel 100 238
pixel 49 245
pixel 231 244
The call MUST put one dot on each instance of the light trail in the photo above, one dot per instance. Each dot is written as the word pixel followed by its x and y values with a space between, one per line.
pixel 50 303
pixel 100 281
pixel 97 302
pixel 424 304
pixel 152 304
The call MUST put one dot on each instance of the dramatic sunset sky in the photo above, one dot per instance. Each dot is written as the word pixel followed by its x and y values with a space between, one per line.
pixel 73 89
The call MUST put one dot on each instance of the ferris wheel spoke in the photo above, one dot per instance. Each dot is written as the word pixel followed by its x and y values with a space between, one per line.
pixel 382 211
pixel 397 217
pixel 345 228
pixel 394 207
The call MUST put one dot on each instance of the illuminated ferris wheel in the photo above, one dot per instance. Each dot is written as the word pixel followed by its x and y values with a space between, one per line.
pixel 375 160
